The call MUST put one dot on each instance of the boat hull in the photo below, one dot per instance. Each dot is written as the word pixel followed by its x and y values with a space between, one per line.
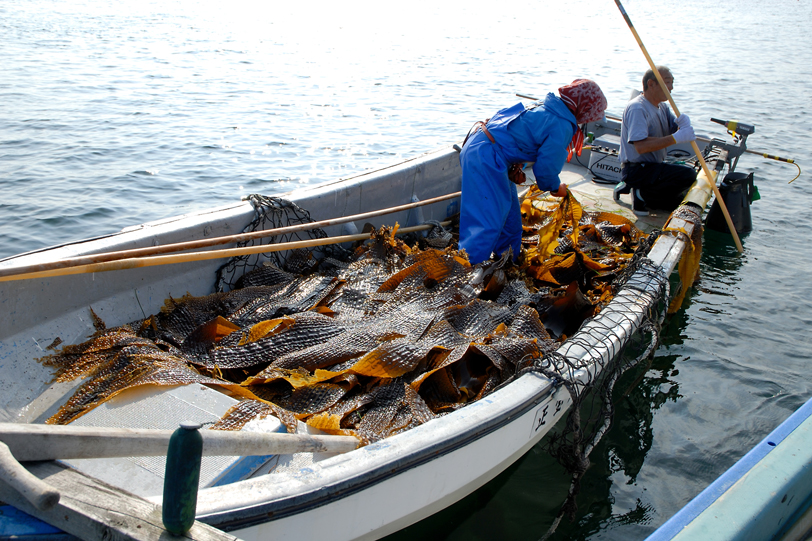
pixel 392 484
pixel 367 493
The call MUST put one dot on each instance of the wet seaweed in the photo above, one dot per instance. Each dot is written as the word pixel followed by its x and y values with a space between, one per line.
pixel 377 343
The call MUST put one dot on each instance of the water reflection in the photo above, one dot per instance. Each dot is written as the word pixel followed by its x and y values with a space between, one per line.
pixel 719 253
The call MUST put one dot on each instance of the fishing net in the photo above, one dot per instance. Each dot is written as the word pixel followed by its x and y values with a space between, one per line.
pixel 593 399
pixel 377 340
pixel 592 410
pixel 274 213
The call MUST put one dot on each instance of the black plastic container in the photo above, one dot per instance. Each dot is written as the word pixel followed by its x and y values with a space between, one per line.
pixel 737 190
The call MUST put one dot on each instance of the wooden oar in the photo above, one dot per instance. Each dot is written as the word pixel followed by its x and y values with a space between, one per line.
pixel 693 143
pixel 133 263
pixel 29 442
pixel 204 243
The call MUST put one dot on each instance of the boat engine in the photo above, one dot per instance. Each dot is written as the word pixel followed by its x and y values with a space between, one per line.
pixel 737 189
pixel 738 192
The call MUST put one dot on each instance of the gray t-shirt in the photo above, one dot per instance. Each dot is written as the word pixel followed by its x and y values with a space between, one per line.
pixel 641 120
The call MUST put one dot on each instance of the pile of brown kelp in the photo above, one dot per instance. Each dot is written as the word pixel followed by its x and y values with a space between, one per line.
pixel 375 345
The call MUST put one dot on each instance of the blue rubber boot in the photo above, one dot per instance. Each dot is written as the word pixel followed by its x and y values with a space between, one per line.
pixel 621 188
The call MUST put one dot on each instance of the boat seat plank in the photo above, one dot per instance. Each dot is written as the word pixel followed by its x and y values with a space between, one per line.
pixel 93 510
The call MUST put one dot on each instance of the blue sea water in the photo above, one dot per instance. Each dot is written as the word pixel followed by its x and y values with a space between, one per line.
pixel 113 114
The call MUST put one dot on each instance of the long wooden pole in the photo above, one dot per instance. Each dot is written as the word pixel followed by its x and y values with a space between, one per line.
pixel 138 262
pixel 204 243
pixel 29 442
pixel 693 143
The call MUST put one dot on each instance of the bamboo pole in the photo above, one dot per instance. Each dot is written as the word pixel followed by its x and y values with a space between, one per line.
pixel 139 262
pixel 30 442
pixel 204 243
pixel 704 165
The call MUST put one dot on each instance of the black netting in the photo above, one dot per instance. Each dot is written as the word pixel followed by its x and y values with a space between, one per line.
pixel 273 213
pixel 592 409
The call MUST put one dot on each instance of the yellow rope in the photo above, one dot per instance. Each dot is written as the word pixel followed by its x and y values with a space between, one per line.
pixel 799 171
pixel 688 265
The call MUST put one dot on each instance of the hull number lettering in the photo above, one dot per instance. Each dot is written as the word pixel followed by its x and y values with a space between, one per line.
pixel 544 416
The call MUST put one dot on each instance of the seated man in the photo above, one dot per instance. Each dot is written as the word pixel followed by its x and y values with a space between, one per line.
pixel 648 128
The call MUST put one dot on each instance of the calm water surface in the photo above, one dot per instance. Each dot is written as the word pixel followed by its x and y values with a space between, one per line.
pixel 115 114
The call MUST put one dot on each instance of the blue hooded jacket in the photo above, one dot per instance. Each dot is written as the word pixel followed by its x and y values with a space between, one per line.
pixel 490 214
pixel 539 133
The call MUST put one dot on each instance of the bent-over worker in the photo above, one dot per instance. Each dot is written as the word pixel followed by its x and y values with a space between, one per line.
pixel 545 132
pixel 647 129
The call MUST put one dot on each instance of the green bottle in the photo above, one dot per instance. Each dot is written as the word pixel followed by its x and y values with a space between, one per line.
pixel 182 477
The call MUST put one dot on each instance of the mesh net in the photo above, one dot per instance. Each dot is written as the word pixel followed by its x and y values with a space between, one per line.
pixel 592 409
pixel 273 213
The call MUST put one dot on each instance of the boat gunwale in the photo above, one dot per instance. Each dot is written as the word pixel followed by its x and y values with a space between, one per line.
pixel 325 494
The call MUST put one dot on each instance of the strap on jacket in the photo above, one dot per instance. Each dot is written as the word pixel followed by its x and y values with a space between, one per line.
pixel 479 125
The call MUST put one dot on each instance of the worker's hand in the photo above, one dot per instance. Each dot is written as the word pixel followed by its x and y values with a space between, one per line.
pixel 684 135
pixel 561 191
pixel 683 121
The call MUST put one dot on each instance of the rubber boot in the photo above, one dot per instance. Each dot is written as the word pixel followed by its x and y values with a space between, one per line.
pixel 621 188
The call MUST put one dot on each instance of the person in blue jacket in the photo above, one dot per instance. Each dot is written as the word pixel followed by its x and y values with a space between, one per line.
pixel 544 132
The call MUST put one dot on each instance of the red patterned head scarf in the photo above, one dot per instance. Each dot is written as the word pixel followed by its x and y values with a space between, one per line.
pixel 586 101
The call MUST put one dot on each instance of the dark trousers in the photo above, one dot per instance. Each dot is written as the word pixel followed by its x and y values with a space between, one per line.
pixel 662 185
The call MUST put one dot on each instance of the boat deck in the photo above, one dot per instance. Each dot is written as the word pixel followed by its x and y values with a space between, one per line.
pixel 598 197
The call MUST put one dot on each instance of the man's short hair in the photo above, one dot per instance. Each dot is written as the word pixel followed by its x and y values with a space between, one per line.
pixel 649 76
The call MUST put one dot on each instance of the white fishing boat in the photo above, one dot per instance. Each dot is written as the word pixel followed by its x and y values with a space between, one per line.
pixel 364 493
